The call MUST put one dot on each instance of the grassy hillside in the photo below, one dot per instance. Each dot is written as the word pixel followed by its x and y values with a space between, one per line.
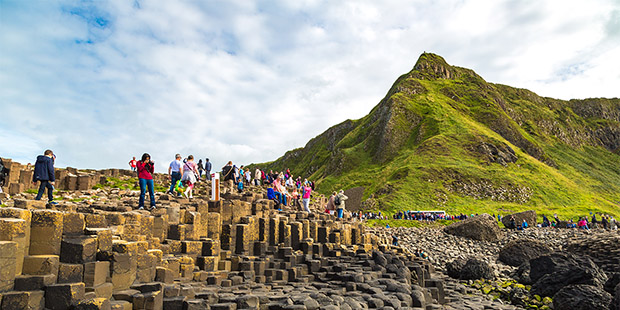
pixel 443 138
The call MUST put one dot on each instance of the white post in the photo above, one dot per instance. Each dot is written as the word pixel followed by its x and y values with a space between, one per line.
pixel 215 186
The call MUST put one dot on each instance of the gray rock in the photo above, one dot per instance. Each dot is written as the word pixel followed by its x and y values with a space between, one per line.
pixel 475 269
pixel 482 228
pixel 518 252
pixel 550 273
pixel 581 297
pixel 528 216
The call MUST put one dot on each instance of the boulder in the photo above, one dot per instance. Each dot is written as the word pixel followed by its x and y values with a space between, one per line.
pixel 475 269
pixel 528 216
pixel 453 268
pixel 550 273
pixel 482 228
pixel 581 297
pixel 615 305
pixel 520 251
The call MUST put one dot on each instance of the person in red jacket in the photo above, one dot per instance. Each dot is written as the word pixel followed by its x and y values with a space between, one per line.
pixel 145 169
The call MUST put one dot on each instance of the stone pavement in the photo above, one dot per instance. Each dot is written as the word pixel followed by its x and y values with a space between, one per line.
pixel 236 253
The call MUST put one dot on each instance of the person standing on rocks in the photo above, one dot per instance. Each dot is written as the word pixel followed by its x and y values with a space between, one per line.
pixel 228 172
pixel 339 201
pixel 257 177
pixel 145 177
pixel 44 173
pixel 189 176
pixel 132 164
pixel 307 190
pixel 175 172
pixel 208 169
pixel 200 169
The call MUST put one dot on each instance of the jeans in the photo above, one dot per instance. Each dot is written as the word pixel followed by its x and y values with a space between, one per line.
pixel 340 213
pixel 143 184
pixel 306 204
pixel 175 177
pixel 281 198
pixel 42 187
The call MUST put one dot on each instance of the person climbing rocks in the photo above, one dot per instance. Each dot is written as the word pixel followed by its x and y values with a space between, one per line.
pixel 145 169
pixel 44 173
pixel 189 176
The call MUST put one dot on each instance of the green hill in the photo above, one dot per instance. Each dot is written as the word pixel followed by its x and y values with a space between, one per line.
pixel 444 138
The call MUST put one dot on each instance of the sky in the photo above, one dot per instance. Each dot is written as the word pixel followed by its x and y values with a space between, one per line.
pixel 101 81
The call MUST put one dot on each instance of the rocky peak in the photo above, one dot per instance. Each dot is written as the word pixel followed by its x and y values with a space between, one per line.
pixel 432 66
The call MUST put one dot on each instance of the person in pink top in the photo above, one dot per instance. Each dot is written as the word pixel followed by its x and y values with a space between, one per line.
pixel 145 177
pixel 190 170
pixel 305 198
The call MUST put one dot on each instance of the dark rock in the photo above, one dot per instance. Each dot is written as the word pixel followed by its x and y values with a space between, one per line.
pixel 612 281
pixel 379 258
pixel 581 297
pixel 615 305
pixel 482 227
pixel 528 216
pixel 454 268
pixel 517 252
pixel 550 273
pixel 475 269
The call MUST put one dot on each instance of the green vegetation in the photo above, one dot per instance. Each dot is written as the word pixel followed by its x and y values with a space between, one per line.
pixel 502 289
pixel 31 191
pixel 443 138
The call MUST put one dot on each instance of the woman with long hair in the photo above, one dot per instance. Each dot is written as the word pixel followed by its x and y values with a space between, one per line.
pixel 145 177
pixel 189 176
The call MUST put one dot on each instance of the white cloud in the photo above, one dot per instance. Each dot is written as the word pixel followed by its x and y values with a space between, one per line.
pixel 100 82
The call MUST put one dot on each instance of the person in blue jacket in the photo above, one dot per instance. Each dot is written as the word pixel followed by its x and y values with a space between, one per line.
pixel 44 173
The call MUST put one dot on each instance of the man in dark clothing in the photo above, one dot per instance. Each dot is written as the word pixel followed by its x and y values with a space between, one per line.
pixel 44 173
pixel 208 169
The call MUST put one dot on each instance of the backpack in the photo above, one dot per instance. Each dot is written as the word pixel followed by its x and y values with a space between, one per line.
pixel 4 172
pixel 337 200
pixel 240 186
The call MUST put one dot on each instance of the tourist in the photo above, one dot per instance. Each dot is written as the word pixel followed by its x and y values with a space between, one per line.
pixel 248 177
pixel 132 164
pixel 175 172
pixel 307 190
pixel 524 224
pixel 257 177
pixel 583 224
pixel 44 173
pixel 145 169
pixel 228 172
pixel 238 171
pixel 208 169
pixel 201 167
pixel 339 201
pixel 604 222
pixel 513 223
pixel 331 205
pixel 394 240
pixel 189 176
pixel 280 191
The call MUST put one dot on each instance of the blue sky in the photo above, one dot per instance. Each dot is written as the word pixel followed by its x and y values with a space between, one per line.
pixel 101 81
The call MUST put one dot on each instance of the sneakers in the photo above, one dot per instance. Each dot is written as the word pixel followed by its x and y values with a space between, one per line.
pixel 53 203
pixel 153 208
pixel 141 208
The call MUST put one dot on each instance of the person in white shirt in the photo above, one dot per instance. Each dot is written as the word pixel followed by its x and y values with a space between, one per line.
pixel 175 172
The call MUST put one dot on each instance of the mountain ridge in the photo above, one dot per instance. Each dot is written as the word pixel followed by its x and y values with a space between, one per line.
pixel 444 137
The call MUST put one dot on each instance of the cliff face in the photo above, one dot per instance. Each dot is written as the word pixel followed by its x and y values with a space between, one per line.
pixel 444 137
